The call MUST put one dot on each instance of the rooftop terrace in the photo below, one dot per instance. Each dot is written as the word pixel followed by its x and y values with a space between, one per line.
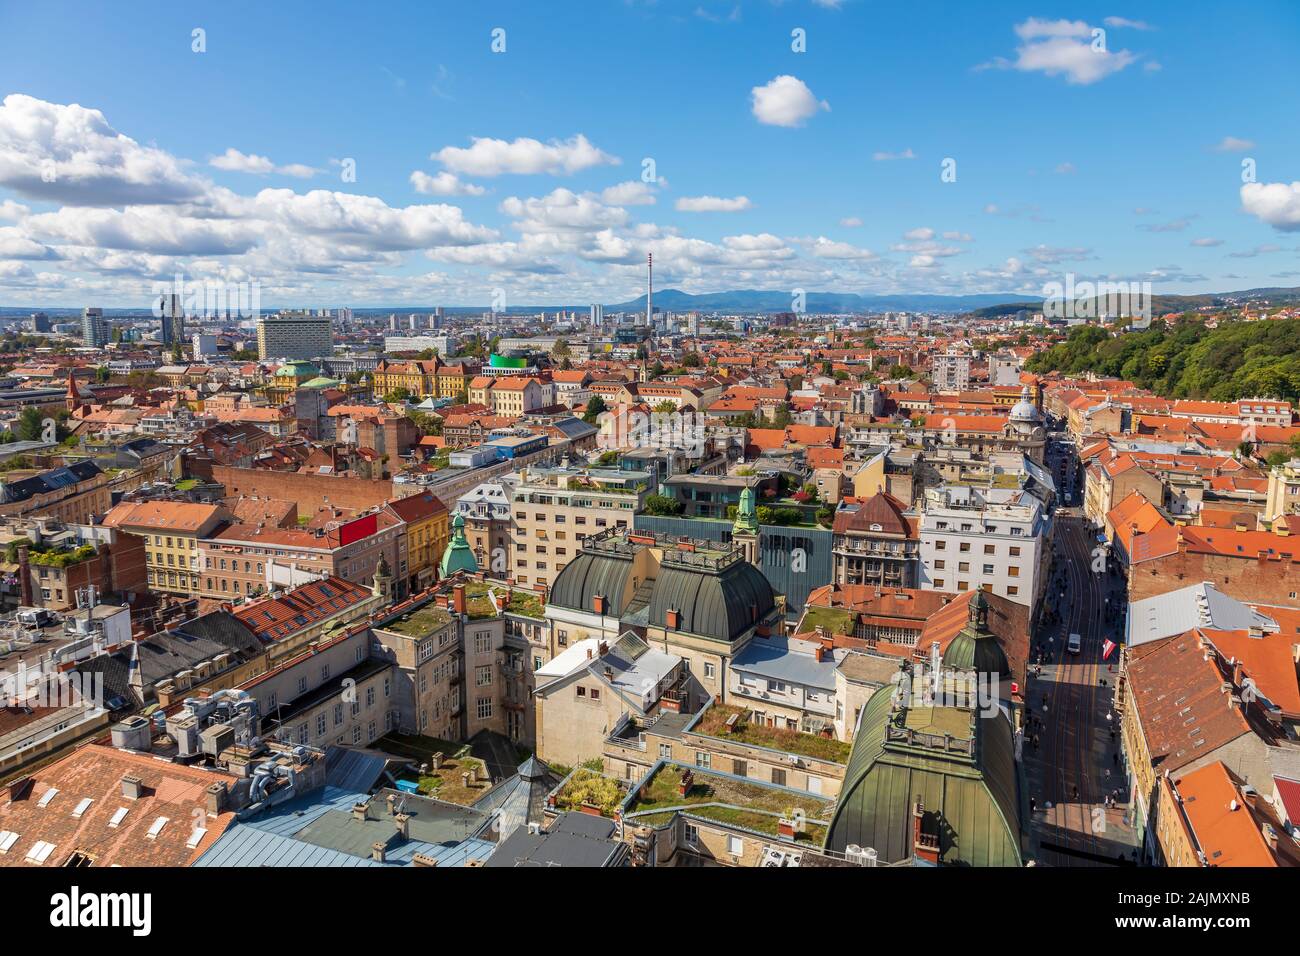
pixel 478 600
pixel 713 723
pixel 418 622
pixel 727 800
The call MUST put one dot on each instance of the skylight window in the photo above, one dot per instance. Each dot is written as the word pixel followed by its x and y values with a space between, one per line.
pixel 118 816
pixel 156 828
pixel 82 807
pixel 40 852
pixel 7 839
pixel 47 796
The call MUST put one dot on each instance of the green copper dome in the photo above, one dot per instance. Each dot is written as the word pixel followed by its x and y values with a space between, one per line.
pixel 746 514
pixel 458 556
pixel 975 648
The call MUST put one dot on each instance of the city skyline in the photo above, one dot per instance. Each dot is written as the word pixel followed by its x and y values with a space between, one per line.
pixel 490 161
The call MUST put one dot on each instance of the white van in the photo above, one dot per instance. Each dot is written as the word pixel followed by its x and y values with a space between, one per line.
pixel 1074 644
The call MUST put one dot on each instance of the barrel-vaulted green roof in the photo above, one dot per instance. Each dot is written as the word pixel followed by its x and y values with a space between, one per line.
pixel 968 792
pixel 718 604
pixel 590 574
pixel 721 599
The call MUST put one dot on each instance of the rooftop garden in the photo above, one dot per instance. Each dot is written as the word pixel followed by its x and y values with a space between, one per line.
pixel 447 782
pixel 420 622
pixel 728 801
pixel 478 600
pixel 714 724
pixel 836 620
pixel 57 558
pixel 591 788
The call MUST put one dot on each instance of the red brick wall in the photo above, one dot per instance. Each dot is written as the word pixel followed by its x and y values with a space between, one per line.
pixel 127 565
pixel 309 491
pixel 1247 579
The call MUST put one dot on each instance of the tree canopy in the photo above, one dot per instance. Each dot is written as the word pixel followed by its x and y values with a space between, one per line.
pixel 1188 360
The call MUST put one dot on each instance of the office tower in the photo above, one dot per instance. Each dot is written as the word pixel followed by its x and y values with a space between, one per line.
pixel 40 322
pixel 295 335
pixel 597 314
pixel 94 328
pixel 171 314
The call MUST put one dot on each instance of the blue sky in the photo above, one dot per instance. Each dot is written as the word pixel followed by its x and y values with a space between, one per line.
pixel 125 156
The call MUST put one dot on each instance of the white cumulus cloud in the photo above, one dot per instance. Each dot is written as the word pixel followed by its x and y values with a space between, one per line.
pixel 785 101
pixel 523 156
pixel 1277 204
pixel 712 204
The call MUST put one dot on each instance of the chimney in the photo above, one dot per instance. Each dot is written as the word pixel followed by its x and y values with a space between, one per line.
pixel 214 798
pixel 609 673
pixel 458 598
pixel 25 577
pixel 604 648
pixel 420 859
pixel 359 810
pixel 684 788
pixel 132 787
pixel 403 821
pixel 377 852
pixel 1236 672
pixel 589 654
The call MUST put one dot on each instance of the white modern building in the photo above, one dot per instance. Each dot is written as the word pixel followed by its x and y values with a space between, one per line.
pixel 950 371
pixel 295 335
pixel 445 345
pixel 997 539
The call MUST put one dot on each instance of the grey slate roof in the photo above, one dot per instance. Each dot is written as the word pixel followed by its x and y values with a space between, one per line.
pixel 574 839
pixel 318 830
pixel 789 660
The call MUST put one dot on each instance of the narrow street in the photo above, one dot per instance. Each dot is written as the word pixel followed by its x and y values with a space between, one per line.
pixel 1077 762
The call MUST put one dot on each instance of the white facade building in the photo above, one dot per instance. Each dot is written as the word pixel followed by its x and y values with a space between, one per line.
pixel 997 539
pixel 951 371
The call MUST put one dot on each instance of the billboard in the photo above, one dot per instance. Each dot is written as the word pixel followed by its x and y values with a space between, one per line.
pixel 358 528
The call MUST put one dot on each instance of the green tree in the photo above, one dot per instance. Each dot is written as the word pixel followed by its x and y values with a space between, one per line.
pixel 662 505
pixel 595 406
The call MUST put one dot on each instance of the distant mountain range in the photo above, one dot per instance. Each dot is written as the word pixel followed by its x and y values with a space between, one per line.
pixel 740 301
pixel 755 300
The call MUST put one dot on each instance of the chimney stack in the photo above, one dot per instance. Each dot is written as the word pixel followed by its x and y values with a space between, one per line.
pixel 25 578
pixel 214 798
pixel 132 787
pixel 458 598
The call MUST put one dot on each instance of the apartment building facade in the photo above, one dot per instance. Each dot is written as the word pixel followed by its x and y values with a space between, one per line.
pixel 555 509
pixel 171 531
pixel 991 539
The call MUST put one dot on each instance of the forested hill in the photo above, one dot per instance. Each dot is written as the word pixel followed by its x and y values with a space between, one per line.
pixel 1187 360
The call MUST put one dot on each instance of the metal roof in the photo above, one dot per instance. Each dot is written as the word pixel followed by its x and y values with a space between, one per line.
pixel 1199 605
pixel 790 660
